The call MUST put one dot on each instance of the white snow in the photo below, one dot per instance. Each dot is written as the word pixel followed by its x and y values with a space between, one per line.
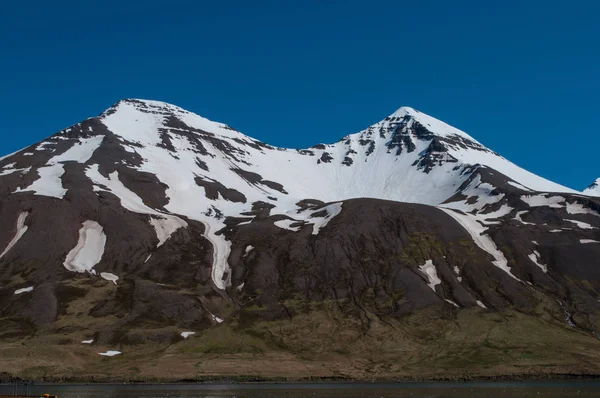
pixel 519 217
pixel 555 202
pixel 585 241
pixel 535 258
pixel 581 224
pixel 216 319
pixel 87 341
pixel 89 249
pixel 248 249
pixel 320 222
pixel 479 303
pixel 20 231
pixel 110 353
pixel 477 232
pixel 81 151
pixel 164 224
pixel 578 208
pixel 49 182
pixel 10 169
pixel 556 230
pixel 109 277
pixel 185 335
pixel 451 302
pixel 430 271
pixel 285 224
pixel 24 290
pixel 148 258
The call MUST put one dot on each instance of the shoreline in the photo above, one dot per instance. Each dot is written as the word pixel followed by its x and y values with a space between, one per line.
pixel 260 380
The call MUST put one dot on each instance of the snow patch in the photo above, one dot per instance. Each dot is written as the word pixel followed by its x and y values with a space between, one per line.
pixel 9 169
pixel 581 224
pixel 519 217
pixel 185 335
pixel 49 182
pixel 110 353
pixel 109 277
pixel 89 249
pixel 578 208
pixel 332 210
pixel 216 319
pixel 164 224
pixel 21 229
pixel 586 241
pixel 535 258
pixel 285 224
pixel 87 341
pixel 451 302
pixel 429 270
pixel 477 232
pixel 555 202
pixel 24 290
pixel 479 303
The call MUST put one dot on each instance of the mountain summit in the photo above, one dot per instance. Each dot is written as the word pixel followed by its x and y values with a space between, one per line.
pixel 149 224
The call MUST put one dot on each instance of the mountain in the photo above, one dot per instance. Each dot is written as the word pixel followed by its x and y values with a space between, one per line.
pixel 594 189
pixel 179 248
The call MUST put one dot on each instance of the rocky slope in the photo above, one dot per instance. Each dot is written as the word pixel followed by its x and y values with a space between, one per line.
pixel 158 234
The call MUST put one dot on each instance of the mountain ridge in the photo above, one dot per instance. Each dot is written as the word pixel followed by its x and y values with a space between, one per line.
pixel 148 223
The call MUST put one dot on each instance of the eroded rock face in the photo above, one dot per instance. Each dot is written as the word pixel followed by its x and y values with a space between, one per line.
pixel 199 222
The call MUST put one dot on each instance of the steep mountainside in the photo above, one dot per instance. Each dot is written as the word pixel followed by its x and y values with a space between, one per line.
pixel 153 232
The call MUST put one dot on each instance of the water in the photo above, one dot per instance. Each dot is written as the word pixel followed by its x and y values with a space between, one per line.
pixel 328 390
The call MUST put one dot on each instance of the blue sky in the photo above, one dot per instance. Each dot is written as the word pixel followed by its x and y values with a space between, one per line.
pixel 524 79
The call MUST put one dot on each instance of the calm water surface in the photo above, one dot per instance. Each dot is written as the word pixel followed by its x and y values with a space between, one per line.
pixel 415 390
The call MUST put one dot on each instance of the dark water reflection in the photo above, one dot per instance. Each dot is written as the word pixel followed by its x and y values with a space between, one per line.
pixel 416 390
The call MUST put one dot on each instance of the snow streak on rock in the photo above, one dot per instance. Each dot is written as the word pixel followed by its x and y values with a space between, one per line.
pixel 477 232
pixel 535 258
pixel 286 224
pixel 24 290
pixel 432 278
pixel 109 277
pixel 21 229
pixel 110 353
pixel 164 224
pixel 89 249
pixel 49 182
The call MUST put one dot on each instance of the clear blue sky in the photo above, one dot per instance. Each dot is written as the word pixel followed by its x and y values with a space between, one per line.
pixel 524 79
